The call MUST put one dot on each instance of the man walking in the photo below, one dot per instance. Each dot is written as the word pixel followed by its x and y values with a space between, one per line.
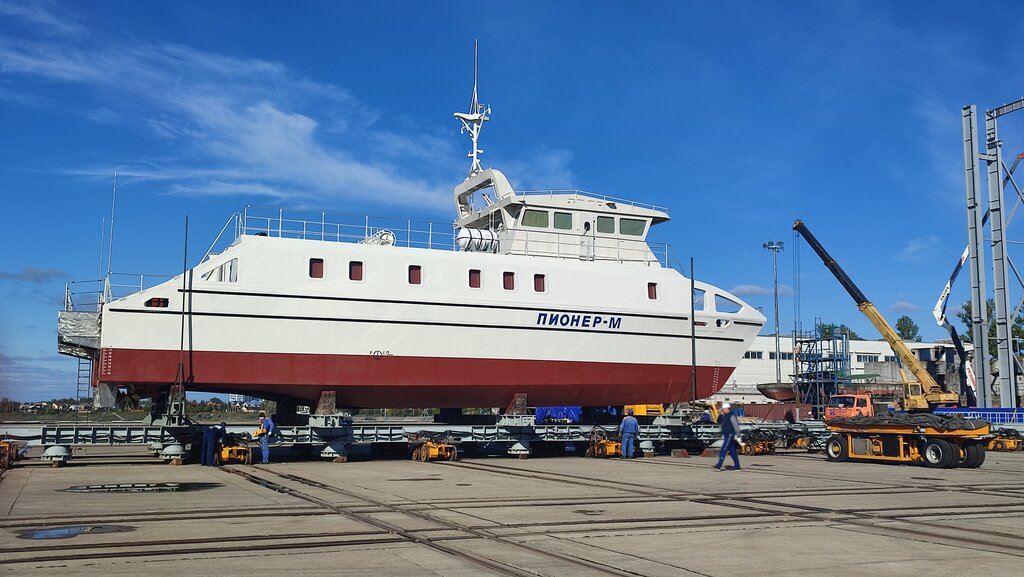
pixel 266 429
pixel 628 428
pixel 730 425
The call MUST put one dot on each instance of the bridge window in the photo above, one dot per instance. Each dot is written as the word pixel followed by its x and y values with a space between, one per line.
pixel 355 270
pixel 508 279
pixel 606 225
pixel 632 226
pixel 316 268
pixel 535 218
pixel 563 220
pixel 474 278
pixel 652 290
pixel 698 300
pixel 415 274
pixel 227 272
pixel 726 305
pixel 538 283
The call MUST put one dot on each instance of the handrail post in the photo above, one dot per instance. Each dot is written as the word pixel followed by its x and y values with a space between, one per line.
pixel 430 234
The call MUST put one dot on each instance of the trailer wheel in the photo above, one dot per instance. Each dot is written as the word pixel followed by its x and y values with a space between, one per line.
pixel 938 454
pixel 999 445
pixel 836 449
pixel 974 456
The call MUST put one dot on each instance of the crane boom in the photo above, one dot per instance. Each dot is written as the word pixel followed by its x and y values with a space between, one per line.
pixel 927 393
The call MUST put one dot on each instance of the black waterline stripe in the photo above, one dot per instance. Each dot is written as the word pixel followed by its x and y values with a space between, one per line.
pixel 425 323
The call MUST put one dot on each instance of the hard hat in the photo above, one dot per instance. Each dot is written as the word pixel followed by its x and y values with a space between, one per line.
pixel 726 406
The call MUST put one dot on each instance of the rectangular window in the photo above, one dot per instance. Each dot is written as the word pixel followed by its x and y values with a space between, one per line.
pixel 652 290
pixel 563 220
pixel 753 355
pixel 606 224
pixel 316 268
pixel 535 218
pixel 632 226
pixel 157 302
pixel 509 280
pixel 415 274
pixel 538 283
pixel 474 278
pixel 355 270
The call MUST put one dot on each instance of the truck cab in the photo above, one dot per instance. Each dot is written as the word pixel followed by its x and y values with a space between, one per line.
pixel 847 405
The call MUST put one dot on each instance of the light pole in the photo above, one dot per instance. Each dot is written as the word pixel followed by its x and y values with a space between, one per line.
pixel 776 248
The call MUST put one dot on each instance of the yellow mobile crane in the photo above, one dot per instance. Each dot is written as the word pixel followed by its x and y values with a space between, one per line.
pixel 925 394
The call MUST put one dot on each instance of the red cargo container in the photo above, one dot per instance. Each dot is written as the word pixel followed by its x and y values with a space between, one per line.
pixel 791 412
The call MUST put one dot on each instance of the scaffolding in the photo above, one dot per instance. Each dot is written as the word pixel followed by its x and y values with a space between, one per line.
pixel 822 365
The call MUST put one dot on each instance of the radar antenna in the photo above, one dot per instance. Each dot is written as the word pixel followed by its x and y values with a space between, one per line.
pixel 473 121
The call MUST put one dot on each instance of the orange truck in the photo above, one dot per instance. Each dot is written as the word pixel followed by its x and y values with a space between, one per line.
pixel 846 405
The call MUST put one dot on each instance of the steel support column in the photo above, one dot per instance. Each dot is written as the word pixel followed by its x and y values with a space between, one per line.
pixel 1001 293
pixel 976 248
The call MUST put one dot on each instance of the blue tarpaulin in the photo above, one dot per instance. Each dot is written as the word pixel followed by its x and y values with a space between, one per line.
pixel 559 414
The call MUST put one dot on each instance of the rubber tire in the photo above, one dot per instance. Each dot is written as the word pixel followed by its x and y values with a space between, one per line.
pixel 938 454
pixel 999 446
pixel 424 455
pixel 974 456
pixel 590 451
pixel 454 454
pixel 415 456
pixel 248 456
pixel 601 451
pixel 836 449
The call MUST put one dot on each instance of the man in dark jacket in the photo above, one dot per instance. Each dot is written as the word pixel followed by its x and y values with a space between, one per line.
pixel 212 438
pixel 730 430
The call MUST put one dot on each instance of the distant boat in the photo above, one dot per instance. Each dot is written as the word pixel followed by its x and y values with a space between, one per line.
pixel 783 392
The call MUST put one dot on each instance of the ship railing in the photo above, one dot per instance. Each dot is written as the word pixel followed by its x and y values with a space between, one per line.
pixel 576 194
pixel 588 247
pixel 342 227
pixel 90 295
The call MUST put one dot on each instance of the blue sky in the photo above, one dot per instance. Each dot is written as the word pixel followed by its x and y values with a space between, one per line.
pixel 740 116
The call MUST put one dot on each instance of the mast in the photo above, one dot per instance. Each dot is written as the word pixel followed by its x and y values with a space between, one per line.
pixel 474 120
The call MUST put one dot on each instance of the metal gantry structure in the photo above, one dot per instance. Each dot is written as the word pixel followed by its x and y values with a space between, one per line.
pixel 1001 263
pixel 822 365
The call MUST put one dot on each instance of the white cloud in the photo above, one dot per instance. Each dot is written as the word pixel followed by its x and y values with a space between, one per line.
pixel 904 307
pixel 917 248
pixel 748 290
pixel 38 15
pixel 244 126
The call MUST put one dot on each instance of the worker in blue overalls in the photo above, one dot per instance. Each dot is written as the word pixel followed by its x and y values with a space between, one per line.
pixel 266 429
pixel 730 425
pixel 628 428
pixel 212 438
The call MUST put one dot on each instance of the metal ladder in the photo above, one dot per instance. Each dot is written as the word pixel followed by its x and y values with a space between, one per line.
pixel 84 385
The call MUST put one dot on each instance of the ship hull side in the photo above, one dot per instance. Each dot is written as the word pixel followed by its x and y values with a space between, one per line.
pixel 361 381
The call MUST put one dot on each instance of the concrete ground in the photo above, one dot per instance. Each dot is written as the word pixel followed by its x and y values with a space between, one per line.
pixel 792 514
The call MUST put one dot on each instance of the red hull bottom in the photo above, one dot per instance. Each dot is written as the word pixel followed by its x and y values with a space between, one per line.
pixel 363 381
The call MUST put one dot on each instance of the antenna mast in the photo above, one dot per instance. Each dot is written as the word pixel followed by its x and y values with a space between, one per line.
pixel 110 245
pixel 474 120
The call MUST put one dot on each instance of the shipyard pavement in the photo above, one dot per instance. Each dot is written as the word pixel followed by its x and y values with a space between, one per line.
pixel 790 514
